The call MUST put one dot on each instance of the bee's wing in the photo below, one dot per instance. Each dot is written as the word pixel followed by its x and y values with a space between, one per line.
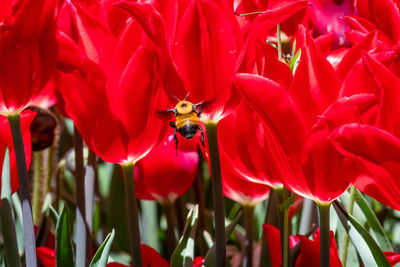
pixel 201 106
pixel 166 114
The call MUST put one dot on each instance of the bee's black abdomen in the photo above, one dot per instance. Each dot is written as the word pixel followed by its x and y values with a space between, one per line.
pixel 188 130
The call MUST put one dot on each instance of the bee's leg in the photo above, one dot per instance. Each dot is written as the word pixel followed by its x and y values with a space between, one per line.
pixel 202 137
pixel 176 140
pixel 199 113
pixel 172 124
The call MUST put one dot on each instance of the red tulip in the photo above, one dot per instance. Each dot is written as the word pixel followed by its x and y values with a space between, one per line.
pixel 372 144
pixel 309 249
pixel 28 53
pixel 127 118
pixel 166 173
pixel 309 164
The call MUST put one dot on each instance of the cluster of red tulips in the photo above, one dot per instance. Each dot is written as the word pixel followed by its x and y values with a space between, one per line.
pixel 289 109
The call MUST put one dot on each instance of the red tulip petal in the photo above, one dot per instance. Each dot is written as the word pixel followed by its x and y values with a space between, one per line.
pixel 383 13
pixel 380 153
pixel 353 56
pixel 392 257
pixel 274 105
pixel 166 172
pixel 315 84
pixel 47 256
pixel 309 255
pixel 388 83
pixel 274 244
pixel 250 151
pixel 151 258
pixel 28 54
pixel 206 54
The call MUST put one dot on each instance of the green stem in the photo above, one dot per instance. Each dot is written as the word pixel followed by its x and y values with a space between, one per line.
pixel 248 224
pixel 132 213
pixel 324 231
pixel 219 210
pixel 270 218
pixel 285 242
pixel 37 162
pixel 29 234
pixel 278 33
pixel 81 231
pixel 346 238
pixel 171 226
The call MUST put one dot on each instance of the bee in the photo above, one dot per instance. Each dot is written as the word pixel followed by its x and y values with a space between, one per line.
pixel 187 120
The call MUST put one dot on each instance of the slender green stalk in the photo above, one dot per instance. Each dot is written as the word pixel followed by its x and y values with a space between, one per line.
pixel 248 224
pixel 90 175
pixel 270 218
pixel 81 231
pixel 324 231
pixel 219 209
pixel 29 234
pixel 132 213
pixel 278 33
pixel 346 238
pixel 37 162
pixel 285 236
pixel 171 226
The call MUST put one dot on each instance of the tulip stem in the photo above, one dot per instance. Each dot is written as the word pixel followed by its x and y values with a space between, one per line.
pixel 271 217
pixel 219 210
pixel 133 216
pixel 37 163
pixel 81 231
pixel 285 242
pixel 278 37
pixel 29 234
pixel 324 231
pixel 171 226
pixel 249 224
pixel 346 236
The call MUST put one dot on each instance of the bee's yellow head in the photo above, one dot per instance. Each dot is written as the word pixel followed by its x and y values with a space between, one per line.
pixel 184 107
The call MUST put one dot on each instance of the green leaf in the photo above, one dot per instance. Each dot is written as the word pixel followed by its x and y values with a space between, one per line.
pixel 100 259
pixel 367 248
pixel 184 253
pixel 64 252
pixel 287 203
pixel 209 260
pixel 373 222
pixel 295 61
pixel 7 218
pixel 54 215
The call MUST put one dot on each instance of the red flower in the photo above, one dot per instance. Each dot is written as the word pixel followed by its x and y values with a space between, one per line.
pixel 166 173
pixel 28 53
pixel 309 165
pixel 378 148
pixel 206 43
pixel 309 249
pixel 126 113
